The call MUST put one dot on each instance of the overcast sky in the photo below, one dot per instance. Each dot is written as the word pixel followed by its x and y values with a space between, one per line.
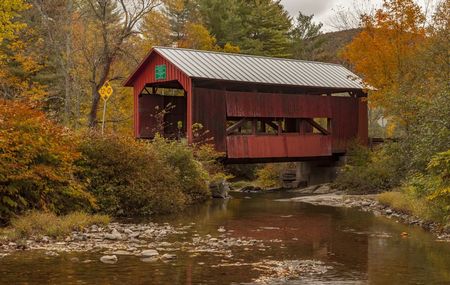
pixel 324 9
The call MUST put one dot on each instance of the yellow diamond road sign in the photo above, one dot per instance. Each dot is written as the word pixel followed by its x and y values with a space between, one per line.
pixel 106 91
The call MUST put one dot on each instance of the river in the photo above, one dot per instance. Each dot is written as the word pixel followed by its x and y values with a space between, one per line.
pixel 294 243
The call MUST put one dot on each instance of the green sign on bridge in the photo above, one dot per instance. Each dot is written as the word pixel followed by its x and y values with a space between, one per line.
pixel 160 72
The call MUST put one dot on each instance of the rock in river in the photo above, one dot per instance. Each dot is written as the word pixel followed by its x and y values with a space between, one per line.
pixel 109 259
pixel 220 189
pixel 121 252
pixel 149 253
pixel 114 235
pixel 168 256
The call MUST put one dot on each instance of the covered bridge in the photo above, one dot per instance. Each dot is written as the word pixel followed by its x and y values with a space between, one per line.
pixel 252 108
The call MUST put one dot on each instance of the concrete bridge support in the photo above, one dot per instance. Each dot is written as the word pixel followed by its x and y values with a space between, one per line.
pixel 307 173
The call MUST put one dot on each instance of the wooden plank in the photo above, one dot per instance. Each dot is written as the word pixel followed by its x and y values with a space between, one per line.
pixel 283 146
pixel 209 110
pixel 254 123
pixel 344 123
pixel 363 122
pixel 273 105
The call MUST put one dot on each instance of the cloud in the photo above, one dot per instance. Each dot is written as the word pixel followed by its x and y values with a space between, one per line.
pixel 316 7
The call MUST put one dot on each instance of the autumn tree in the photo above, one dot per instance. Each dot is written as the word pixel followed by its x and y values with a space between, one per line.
pixel 384 53
pixel 407 61
pixel 37 160
pixel 156 30
pixel 53 22
pixel 197 37
pixel 107 27
pixel 18 64
pixel 9 11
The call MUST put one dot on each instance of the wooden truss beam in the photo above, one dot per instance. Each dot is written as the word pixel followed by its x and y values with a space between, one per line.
pixel 318 126
pixel 236 126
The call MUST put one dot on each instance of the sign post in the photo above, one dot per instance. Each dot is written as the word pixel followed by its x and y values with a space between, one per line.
pixel 105 92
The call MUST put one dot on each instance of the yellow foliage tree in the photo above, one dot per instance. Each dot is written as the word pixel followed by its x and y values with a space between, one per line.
pixel 198 37
pixel 17 62
pixel 9 10
pixel 156 30
pixel 230 48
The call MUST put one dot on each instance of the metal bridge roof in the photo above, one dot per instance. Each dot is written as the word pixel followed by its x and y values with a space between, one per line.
pixel 258 69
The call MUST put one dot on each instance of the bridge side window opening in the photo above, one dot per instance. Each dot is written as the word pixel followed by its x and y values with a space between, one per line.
pixel 278 126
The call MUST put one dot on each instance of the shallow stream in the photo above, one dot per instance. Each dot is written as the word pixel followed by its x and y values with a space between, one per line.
pixel 270 242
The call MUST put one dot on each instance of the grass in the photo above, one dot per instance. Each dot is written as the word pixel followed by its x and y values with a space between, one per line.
pixel 38 224
pixel 404 203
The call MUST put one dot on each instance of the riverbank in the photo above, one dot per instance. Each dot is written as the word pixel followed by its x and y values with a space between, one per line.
pixel 325 196
pixel 141 240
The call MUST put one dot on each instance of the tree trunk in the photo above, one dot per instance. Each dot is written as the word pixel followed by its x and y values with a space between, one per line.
pixel 68 65
pixel 94 107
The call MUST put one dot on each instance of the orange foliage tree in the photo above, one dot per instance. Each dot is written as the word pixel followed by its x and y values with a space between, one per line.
pixel 385 53
pixel 36 163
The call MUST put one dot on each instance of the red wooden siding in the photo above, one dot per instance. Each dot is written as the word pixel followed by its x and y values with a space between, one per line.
pixel 283 146
pixel 348 115
pixel 363 121
pixel 344 122
pixel 249 104
pixel 209 110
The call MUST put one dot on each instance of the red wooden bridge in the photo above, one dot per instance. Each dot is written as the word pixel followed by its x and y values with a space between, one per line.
pixel 252 108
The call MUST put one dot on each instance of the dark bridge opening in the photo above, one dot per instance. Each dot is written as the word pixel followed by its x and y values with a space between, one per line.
pixel 162 110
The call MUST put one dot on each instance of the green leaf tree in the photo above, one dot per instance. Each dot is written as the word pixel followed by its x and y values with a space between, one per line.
pixel 306 43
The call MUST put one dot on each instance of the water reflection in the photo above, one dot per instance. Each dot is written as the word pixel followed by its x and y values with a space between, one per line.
pixel 361 249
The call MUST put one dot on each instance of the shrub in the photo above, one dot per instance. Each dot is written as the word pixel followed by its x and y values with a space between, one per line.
pixel 426 195
pixel 210 160
pixel 241 184
pixel 48 224
pixel 439 169
pixel 190 173
pixel 36 164
pixel 269 176
pixel 433 186
pixel 369 172
pixel 243 171
pixel 128 177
